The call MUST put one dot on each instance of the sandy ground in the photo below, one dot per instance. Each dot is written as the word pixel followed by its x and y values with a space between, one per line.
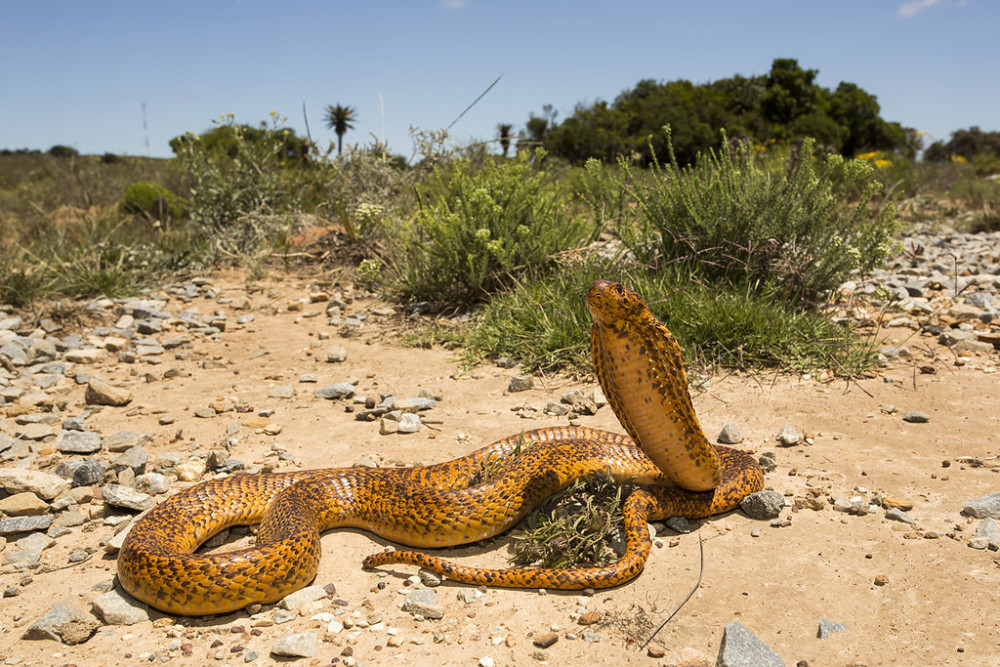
pixel 938 606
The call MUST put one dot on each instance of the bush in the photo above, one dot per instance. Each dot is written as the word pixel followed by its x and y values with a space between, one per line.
pixel 795 229
pixel 478 231
pixel 153 201
pixel 63 151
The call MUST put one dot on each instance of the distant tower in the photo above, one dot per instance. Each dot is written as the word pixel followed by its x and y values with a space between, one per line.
pixel 145 130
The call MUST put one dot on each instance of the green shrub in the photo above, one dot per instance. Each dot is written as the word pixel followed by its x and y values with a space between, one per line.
pixel 63 151
pixel 477 231
pixel 153 201
pixel 240 195
pixel 796 230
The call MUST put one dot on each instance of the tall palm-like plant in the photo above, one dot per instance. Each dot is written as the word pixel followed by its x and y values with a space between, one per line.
pixel 503 132
pixel 340 119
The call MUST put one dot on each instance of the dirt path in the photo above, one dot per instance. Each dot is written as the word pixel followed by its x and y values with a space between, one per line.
pixel 937 604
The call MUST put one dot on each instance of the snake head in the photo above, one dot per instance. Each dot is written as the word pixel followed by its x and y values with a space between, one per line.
pixel 614 305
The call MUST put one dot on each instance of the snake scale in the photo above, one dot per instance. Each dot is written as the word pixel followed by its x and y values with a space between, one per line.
pixel 639 366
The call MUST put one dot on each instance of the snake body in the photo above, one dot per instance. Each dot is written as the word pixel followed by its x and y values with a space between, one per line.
pixel 639 366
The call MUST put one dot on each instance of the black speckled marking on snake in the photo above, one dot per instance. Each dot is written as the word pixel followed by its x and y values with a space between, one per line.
pixel 640 369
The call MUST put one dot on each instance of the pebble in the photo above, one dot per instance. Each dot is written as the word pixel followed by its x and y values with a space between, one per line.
pixel 114 608
pixel 827 628
pixel 787 436
pixel 988 530
pixel 916 417
pixel 763 505
pixel 730 434
pixel 520 383
pixel 742 648
pixel 301 597
pixel 896 514
pixel 981 507
pixel 101 393
pixel 300 645
pixel 65 624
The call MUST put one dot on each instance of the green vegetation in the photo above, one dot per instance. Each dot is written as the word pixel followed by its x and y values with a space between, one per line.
pixel 764 195
pixel 477 231
pixel 153 201
pixel 784 105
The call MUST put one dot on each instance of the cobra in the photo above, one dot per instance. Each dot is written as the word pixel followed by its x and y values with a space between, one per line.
pixel 640 368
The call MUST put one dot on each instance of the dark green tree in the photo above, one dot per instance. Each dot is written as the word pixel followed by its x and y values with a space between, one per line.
pixel 504 135
pixel 340 119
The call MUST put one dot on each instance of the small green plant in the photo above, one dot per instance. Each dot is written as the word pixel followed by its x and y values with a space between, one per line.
pixel 477 231
pixel 153 201
pixel 796 229
pixel 577 526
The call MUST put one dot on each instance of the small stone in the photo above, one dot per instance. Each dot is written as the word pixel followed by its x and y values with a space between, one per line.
pixel 730 434
pixel 44 485
pixel 881 580
pixel 303 596
pixel 520 383
pixel 424 603
pixel 989 530
pixel 982 507
pixel 546 640
pixel 787 436
pixel 101 393
pixel 336 355
pixel 122 441
pixel 332 391
pixel 827 628
pixel 409 423
pixel 300 645
pixel 763 505
pixel 23 504
pixel 117 495
pixel 740 647
pixel 63 623
pixel 114 608
pixel 916 417
pixel 890 502
pixel 896 514
pixel 284 391
pixel 78 442
pixel 85 356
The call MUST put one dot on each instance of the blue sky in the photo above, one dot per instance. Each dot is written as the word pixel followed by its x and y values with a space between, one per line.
pixel 78 73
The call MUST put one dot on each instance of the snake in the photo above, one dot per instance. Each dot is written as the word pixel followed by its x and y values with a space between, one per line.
pixel 664 453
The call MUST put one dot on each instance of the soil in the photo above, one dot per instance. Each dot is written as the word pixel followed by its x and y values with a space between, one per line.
pixel 906 594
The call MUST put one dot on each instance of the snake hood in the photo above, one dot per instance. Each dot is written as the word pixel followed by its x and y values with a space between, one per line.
pixel 638 363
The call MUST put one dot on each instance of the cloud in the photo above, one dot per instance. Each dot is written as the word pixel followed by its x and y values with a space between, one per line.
pixel 914 7
pixel 454 4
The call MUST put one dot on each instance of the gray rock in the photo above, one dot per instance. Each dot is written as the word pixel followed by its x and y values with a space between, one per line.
pixel 153 483
pixel 123 441
pixel 300 645
pixel 74 424
pixel 81 473
pixel 23 560
pixel 988 529
pixel 114 608
pixel 916 417
pixel 827 628
pixel 35 543
pixel 409 423
pixel 430 579
pixel 556 409
pixel 763 505
pixel 979 543
pixel 678 524
pixel 730 434
pixel 980 299
pixel 423 602
pixel 117 495
pixel 787 436
pixel 284 391
pixel 983 506
pixel 336 355
pixel 896 514
pixel 520 383
pixel 134 458
pixel 89 355
pixel 293 601
pixel 78 442
pixel 742 648
pixel 63 623
pixel 332 391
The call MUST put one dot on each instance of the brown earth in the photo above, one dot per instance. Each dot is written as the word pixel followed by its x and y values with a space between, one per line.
pixel 938 605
